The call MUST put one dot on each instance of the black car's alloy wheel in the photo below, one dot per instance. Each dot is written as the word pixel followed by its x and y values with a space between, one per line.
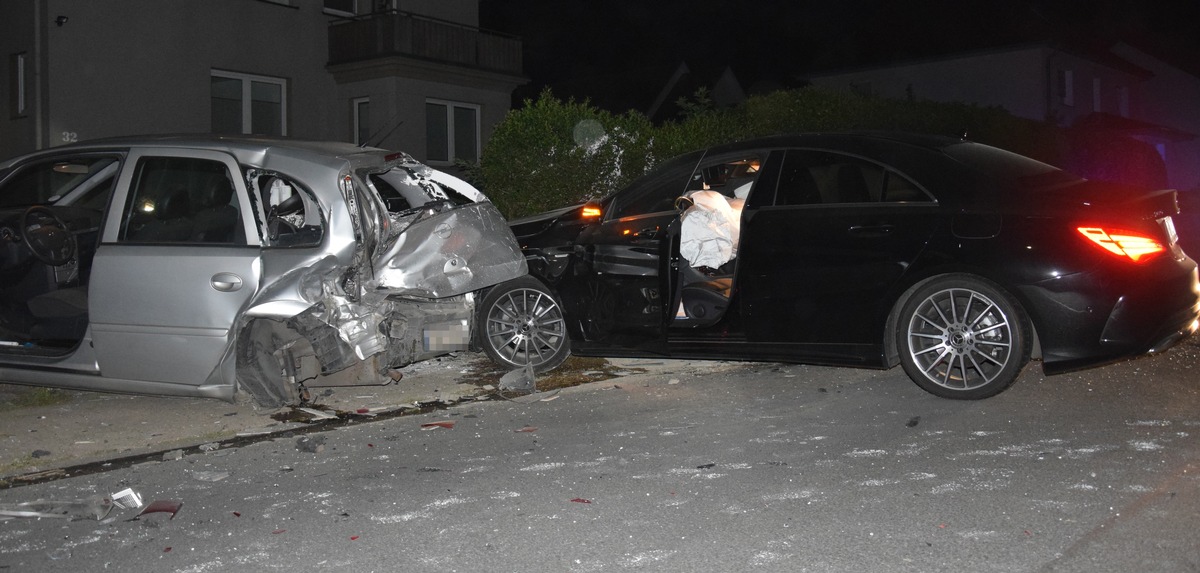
pixel 523 324
pixel 960 337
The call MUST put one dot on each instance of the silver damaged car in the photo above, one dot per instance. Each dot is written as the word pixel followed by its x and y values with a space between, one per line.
pixel 209 266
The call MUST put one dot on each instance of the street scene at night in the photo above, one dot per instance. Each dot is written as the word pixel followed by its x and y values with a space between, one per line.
pixel 537 285
pixel 686 466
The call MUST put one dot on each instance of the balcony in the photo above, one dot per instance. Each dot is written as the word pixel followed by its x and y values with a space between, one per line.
pixel 396 33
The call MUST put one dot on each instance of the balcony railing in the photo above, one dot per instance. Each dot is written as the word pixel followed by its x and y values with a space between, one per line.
pixel 401 34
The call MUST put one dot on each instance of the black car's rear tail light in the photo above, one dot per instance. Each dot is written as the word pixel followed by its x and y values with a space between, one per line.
pixel 1136 246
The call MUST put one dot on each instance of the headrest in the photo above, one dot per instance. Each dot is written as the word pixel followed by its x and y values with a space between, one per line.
pixel 216 193
pixel 173 204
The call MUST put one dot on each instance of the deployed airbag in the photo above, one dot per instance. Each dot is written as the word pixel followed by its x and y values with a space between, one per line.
pixel 709 230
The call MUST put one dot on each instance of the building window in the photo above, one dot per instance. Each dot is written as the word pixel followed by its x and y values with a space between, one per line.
pixel 1066 87
pixel 451 132
pixel 362 121
pixel 247 104
pixel 340 7
pixel 17 80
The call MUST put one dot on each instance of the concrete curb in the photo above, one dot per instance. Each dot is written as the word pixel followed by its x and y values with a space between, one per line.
pixel 96 427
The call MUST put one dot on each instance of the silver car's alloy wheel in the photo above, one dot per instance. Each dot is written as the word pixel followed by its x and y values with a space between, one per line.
pixel 524 324
pixel 963 339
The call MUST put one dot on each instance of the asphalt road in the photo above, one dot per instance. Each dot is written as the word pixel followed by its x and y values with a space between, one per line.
pixel 761 467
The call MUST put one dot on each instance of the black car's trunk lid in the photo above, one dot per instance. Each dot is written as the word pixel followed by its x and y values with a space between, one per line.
pixel 1108 201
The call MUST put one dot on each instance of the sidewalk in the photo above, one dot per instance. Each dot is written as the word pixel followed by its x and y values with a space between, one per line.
pixel 94 427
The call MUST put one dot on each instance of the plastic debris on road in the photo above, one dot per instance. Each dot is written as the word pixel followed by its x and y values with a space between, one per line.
pixel 519 380
pixel 317 414
pixel 79 509
pixel 127 499
pixel 312 445
pixel 162 506
pixel 209 475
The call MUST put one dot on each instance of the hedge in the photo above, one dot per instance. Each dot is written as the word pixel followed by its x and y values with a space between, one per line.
pixel 551 153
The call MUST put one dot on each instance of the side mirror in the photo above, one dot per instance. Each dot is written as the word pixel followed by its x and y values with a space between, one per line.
pixel 591 212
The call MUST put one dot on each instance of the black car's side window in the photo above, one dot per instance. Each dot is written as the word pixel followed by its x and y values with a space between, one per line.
pixel 731 176
pixel 182 200
pixel 811 177
pixel 899 189
pixel 655 195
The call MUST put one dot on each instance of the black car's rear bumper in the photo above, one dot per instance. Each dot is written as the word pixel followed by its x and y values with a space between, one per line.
pixel 1092 318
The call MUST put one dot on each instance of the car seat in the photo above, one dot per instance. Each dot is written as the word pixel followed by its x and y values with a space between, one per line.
pixel 171 223
pixel 216 221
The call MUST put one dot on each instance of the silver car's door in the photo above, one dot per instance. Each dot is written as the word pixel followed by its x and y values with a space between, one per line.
pixel 178 260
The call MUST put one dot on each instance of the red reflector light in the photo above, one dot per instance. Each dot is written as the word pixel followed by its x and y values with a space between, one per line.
pixel 1137 247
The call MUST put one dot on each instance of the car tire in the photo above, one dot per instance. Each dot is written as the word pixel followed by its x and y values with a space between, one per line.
pixel 260 371
pixel 521 323
pixel 962 337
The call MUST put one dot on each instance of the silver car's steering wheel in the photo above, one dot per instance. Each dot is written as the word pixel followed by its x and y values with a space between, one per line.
pixel 47 236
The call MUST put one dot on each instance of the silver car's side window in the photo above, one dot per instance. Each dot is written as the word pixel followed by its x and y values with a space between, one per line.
pixel 85 181
pixel 293 218
pixel 182 200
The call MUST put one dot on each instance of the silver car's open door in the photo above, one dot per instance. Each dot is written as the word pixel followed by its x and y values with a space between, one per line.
pixel 177 261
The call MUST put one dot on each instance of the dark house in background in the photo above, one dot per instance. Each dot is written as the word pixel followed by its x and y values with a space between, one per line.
pixel 415 75
pixel 718 83
pixel 1101 96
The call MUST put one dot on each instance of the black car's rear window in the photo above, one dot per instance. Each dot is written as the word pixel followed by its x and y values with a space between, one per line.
pixel 995 163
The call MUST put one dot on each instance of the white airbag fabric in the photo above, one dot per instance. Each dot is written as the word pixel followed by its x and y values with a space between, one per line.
pixel 708 236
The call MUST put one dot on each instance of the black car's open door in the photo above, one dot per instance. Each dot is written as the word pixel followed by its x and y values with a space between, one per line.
pixel 618 289
pixel 703 239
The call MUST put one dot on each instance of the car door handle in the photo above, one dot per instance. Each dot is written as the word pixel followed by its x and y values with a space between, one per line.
pixel 226 282
pixel 872 230
pixel 647 233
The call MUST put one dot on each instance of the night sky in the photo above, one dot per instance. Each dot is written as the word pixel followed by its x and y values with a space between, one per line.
pixel 618 53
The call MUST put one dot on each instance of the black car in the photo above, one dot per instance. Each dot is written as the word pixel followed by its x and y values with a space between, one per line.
pixel 957 260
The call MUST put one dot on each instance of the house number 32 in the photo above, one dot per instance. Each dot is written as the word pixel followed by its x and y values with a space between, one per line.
pixel 70 136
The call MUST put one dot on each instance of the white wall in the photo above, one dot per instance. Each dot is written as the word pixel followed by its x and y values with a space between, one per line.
pixel 144 66
pixel 123 67
pixel 1172 98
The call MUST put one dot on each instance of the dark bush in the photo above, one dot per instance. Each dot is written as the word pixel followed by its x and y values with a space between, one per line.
pixel 552 153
